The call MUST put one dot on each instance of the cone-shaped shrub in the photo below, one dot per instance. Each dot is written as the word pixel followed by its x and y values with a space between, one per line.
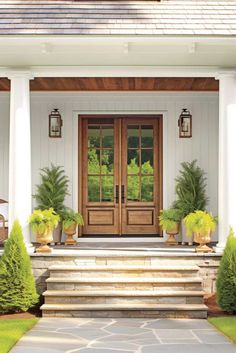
pixel 17 285
pixel 226 278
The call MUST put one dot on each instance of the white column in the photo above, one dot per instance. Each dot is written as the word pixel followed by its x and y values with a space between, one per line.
pixel 227 157
pixel 20 153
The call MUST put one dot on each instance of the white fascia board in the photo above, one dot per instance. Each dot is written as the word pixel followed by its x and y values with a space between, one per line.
pixel 116 71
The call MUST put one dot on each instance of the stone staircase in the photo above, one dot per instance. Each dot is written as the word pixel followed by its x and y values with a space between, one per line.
pixel 124 289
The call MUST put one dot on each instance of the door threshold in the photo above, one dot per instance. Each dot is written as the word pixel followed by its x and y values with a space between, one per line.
pixel 120 239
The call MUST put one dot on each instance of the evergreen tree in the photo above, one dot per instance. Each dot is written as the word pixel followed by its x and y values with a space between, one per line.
pixel 17 284
pixel 190 189
pixel 52 191
pixel 226 278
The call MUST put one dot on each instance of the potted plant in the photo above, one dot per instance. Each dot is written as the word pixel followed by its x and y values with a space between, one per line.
pixel 42 223
pixel 51 193
pixel 200 224
pixel 70 221
pixel 190 190
pixel 169 221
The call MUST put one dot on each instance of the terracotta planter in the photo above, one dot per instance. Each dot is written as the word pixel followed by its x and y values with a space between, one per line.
pixel 44 239
pixel 203 240
pixel 171 240
pixel 69 233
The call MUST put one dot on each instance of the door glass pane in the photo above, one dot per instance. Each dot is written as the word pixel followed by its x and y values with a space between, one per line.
pixel 107 162
pixel 147 161
pixel 147 136
pixel 107 188
pixel 133 162
pixel 147 188
pixel 133 136
pixel 107 137
pixel 133 188
pixel 93 136
pixel 93 161
pixel 93 188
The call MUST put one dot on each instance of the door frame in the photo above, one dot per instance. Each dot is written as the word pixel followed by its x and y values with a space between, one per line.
pixel 125 116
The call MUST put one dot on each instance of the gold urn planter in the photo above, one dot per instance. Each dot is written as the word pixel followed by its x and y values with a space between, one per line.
pixel 70 231
pixel 44 239
pixel 202 240
pixel 171 233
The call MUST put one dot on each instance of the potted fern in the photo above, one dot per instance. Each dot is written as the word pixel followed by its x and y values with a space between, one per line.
pixel 190 190
pixel 42 223
pixel 70 221
pixel 169 221
pixel 201 225
pixel 51 193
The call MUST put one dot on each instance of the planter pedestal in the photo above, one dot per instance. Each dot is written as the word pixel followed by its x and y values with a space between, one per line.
pixel 69 233
pixel 171 240
pixel 44 240
pixel 203 240
pixel 203 249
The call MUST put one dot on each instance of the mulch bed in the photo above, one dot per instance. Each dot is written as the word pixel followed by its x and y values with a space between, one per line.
pixel 213 308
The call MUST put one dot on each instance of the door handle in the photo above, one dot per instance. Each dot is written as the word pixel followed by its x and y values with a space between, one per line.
pixel 117 193
pixel 123 194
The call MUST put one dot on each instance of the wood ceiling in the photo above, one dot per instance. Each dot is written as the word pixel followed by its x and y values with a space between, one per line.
pixel 118 84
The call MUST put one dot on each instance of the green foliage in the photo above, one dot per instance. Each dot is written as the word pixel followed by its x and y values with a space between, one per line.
pixel 17 284
pixel 226 278
pixel 227 325
pixel 200 222
pixel 190 189
pixel 169 218
pixel 12 330
pixel 45 221
pixel 70 217
pixel 53 189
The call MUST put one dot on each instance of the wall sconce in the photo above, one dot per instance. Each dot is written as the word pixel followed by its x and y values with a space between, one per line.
pixel 55 123
pixel 185 124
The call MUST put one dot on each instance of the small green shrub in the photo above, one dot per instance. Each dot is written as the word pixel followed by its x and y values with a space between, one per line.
pixel 226 278
pixel 190 189
pixel 17 284
pixel 200 222
pixel 43 221
pixel 53 189
pixel 168 218
pixel 70 217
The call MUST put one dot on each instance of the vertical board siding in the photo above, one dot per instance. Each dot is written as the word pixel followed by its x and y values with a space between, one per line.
pixel 203 146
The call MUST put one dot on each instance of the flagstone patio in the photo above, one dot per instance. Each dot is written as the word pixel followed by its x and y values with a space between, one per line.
pixel 66 335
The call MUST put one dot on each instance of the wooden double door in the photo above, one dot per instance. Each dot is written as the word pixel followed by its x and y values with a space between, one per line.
pixel 121 174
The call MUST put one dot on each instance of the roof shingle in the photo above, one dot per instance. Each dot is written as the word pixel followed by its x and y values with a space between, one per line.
pixel 167 17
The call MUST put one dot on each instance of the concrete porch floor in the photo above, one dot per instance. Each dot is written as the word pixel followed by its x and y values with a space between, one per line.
pixel 65 335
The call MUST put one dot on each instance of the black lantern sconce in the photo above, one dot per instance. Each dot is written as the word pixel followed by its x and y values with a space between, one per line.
pixel 55 123
pixel 185 124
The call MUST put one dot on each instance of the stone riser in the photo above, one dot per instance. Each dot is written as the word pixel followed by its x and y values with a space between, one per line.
pixel 127 273
pixel 190 314
pixel 124 286
pixel 124 300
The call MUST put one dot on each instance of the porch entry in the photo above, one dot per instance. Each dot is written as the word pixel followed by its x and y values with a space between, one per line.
pixel 121 174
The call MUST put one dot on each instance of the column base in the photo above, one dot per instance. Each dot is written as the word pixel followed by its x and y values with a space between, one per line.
pixel 219 248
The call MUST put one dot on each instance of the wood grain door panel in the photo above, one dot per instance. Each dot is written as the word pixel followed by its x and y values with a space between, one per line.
pixel 121 178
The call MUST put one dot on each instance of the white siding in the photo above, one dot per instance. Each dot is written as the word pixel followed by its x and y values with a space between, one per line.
pixel 203 146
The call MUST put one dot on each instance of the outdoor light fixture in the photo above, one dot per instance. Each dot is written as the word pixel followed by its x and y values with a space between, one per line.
pixel 185 124
pixel 55 123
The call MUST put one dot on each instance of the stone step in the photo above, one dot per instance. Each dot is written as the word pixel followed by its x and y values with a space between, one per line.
pixel 128 271
pixel 120 297
pixel 132 283
pixel 125 310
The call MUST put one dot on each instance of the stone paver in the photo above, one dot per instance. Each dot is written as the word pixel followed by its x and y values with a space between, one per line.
pixel 66 335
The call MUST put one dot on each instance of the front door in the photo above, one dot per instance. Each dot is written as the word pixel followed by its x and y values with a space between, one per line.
pixel 121 174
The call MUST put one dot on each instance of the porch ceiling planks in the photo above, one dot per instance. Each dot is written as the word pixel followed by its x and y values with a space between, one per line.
pixel 118 84
pixel 112 17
